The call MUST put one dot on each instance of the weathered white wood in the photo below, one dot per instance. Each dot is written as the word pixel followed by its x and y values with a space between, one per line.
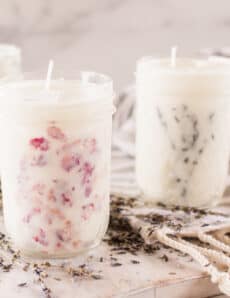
pixel 152 278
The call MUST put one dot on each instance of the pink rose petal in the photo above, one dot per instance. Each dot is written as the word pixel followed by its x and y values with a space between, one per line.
pixel 40 143
pixel 55 133
pixel 70 161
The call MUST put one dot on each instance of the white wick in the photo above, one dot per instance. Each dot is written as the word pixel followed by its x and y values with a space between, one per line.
pixel 173 56
pixel 49 74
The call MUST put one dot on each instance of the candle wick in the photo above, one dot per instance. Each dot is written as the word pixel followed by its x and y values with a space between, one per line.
pixel 49 74
pixel 173 56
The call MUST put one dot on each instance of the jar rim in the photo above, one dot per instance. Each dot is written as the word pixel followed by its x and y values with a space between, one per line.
pixel 90 88
pixel 184 66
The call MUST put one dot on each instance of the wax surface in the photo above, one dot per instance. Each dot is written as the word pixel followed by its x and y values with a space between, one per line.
pixel 188 77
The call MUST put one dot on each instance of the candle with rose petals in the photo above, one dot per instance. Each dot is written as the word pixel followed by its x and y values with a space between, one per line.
pixel 55 162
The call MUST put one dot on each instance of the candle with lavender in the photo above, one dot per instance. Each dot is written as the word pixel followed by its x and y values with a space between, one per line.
pixel 182 141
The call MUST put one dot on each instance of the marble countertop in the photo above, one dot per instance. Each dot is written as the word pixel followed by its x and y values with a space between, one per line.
pixel 109 35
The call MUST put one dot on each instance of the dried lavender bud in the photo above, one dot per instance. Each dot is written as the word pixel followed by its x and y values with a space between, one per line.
pixel 211 116
pixel 185 107
pixel 121 252
pixel 7 268
pixel 162 121
pixel 26 267
pixel 176 119
pixel 22 285
pixel 135 262
pixel 165 258
pixel 186 160
pixel 116 264
pixel 47 292
pixel 201 151
pixel 46 264
pixel 184 192
pixel 96 276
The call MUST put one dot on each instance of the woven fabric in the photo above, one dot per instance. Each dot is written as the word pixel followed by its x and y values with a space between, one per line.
pixel 204 235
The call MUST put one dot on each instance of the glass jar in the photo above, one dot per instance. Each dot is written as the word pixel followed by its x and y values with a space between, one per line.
pixel 182 141
pixel 10 62
pixel 55 164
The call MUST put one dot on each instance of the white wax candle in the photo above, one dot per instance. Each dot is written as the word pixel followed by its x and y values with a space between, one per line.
pixel 182 144
pixel 10 61
pixel 188 76
pixel 56 184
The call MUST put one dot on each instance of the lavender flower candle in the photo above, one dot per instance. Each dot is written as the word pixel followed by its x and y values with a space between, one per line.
pixel 182 141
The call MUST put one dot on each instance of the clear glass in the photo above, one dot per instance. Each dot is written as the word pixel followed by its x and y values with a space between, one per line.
pixel 55 164
pixel 182 137
pixel 10 61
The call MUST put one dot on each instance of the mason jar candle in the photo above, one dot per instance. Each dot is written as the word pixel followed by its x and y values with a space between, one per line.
pixel 55 163
pixel 10 62
pixel 182 134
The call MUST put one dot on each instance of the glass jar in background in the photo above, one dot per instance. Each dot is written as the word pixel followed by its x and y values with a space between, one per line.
pixel 55 163
pixel 10 68
pixel 10 62
pixel 182 140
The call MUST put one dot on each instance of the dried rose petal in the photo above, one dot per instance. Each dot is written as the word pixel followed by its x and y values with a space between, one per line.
pixel 76 243
pixel 42 233
pixel 51 196
pixel 70 161
pixel 64 235
pixel 55 133
pixel 49 220
pixel 87 172
pixel 40 143
pixel 67 147
pixel 88 191
pixel 58 245
pixel 41 237
pixel 66 199
pixel 36 238
pixel 57 212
